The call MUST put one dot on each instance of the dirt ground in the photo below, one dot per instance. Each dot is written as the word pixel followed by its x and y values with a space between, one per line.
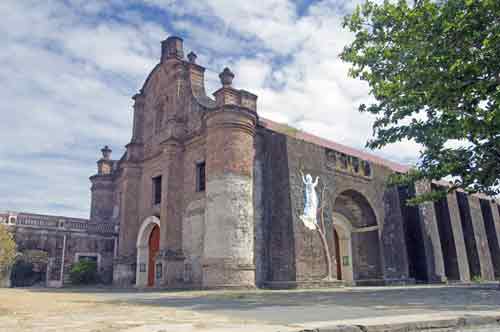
pixel 107 310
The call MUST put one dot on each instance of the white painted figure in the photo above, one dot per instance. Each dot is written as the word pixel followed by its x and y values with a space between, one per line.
pixel 309 217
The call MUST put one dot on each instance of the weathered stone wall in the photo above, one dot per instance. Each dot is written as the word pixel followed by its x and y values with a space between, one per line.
pixel 431 242
pixel 443 219
pixel 478 253
pixel 295 253
pixel 261 221
pixel 228 255
pixel 417 266
pixel 480 238
pixel 277 223
pixel 101 205
pixel 487 210
pixel 456 238
pixel 394 250
pixel 194 214
pixel 129 187
pixel 309 158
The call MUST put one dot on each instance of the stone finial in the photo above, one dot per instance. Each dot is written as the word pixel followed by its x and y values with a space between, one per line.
pixel 106 152
pixel 226 77
pixel 192 57
pixel 172 48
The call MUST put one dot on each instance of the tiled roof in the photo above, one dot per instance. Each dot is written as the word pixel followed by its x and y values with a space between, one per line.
pixel 301 135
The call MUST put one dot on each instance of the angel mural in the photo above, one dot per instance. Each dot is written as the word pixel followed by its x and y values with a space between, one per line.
pixel 309 216
pixel 312 208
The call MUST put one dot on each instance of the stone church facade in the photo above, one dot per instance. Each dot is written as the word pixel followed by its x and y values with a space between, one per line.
pixel 209 195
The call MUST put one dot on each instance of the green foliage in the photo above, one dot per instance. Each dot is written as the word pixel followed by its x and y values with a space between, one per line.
pixel 83 273
pixel 433 68
pixel 7 250
pixel 477 279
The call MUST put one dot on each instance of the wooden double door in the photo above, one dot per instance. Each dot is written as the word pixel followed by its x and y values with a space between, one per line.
pixel 154 246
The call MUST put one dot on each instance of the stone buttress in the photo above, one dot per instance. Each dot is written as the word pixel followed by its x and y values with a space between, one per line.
pixel 228 256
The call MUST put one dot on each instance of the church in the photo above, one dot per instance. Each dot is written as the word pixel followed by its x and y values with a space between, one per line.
pixel 210 195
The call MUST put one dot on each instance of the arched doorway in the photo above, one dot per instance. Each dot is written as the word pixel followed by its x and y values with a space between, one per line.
pixel 343 247
pixel 154 246
pixel 358 240
pixel 148 244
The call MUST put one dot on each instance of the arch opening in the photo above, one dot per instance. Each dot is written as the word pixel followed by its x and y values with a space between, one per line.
pixel 358 238
pixel 343 248
pixel 148 243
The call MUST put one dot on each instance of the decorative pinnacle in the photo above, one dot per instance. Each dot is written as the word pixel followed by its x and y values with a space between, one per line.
pixel 106 152
pixel 226 77
pixel 192 57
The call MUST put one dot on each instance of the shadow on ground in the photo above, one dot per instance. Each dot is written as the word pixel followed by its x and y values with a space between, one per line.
pixel 311 305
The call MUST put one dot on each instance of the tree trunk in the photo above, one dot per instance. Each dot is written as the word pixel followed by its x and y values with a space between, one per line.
pixel 322 234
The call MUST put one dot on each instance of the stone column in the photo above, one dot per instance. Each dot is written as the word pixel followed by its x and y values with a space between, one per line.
pixel 228 255
pixel 430 233
pixel 458 237
pixel 394 256
pixel 496 217
pixel 124 268
pixel 171 255
pixel 495 214
pixel 483 250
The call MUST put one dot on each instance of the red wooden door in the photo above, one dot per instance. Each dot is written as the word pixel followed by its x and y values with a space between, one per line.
pixel 154 245
pixel 337 255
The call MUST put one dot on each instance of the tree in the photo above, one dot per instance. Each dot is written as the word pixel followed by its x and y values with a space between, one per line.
pixel 321 229
pixel 433 68
pixel 83 272
pixel 7 250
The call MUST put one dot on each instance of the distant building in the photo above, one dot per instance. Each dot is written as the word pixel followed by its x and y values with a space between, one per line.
pixel 66 241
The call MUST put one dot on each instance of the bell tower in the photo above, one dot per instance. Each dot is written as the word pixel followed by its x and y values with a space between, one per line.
pixel 102 188
pixel 228 256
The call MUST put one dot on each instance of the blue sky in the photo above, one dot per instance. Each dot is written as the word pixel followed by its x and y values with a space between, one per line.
pixel 68 69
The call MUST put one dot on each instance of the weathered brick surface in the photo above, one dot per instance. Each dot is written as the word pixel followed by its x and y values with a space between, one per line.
pixel 228 255
pixel 417 262
pixel 430 236
pixel 447 240
pixel 393 238
pixel 495 214
pixel 488 212
pixel 469 237
pixel 230 144
pixel 261 250
pixel 280 245
pixel 295 253
pixel 458 237
pixel 485 262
